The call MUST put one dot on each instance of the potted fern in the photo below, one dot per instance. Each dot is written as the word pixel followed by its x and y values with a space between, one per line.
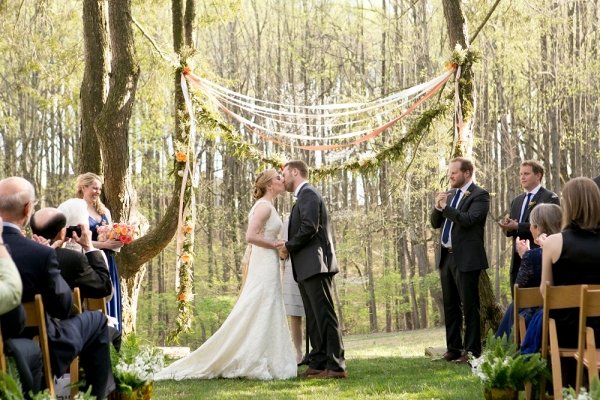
pixel 503 370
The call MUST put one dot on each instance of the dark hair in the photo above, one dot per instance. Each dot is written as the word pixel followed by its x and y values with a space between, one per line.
pixel 465 164
pixel 51 228
pixel 536 167
pixel 300 165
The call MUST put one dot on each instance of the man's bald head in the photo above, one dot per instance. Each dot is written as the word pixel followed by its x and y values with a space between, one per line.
pixel 48 223
pixel 17 199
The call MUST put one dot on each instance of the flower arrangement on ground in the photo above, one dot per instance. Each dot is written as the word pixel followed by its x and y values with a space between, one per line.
pixel 122 231
pixel 593 393
pixel 502 366
pixel 134 368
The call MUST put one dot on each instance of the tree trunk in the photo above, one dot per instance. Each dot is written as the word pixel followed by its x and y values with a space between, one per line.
pixel 491 311
pixel 107 122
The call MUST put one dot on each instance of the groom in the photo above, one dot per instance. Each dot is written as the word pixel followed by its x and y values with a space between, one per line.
pixel 310 247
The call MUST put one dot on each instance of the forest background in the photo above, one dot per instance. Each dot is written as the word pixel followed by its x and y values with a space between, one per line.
pixel 537 87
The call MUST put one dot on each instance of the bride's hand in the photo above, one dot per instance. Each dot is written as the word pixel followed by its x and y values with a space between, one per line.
pixel 109 245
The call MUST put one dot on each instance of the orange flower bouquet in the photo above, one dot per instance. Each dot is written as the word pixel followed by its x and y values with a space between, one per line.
pixel 122 231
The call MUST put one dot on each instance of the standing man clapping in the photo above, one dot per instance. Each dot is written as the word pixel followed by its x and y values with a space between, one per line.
pixel 517 224
pixel 461 213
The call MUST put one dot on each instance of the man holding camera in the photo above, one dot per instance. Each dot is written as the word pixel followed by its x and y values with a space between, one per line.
pixel 87 272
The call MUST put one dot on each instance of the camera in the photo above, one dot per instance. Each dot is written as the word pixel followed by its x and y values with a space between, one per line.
pixel 71 229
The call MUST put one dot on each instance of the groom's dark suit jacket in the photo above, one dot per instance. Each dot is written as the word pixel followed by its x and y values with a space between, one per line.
pixel 310 238
pixel 542 196
pixel 467 231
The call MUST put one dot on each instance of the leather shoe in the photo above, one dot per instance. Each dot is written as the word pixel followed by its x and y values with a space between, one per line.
pixel 330 374
pixel 461 360
pixel 447 357
pixel 310 371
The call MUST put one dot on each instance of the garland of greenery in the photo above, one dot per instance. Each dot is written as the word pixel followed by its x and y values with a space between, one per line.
pixel 184 158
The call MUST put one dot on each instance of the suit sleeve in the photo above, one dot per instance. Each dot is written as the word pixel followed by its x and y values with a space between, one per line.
pixel 57 296
pixel 523 231
pixel 436 218
pixel 476 212
pixel 512 204
pixel 93 278
pixel 310 210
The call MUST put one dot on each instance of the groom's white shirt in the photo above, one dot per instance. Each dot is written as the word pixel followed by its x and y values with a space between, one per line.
pixel 299 187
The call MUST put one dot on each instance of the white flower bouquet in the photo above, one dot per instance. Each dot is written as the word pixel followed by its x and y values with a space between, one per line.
pixel 135 365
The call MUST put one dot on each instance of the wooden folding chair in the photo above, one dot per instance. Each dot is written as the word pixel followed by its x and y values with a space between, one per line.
pixel 587 355
pixel 524 298
pixel 36 318
pixel 74 368
pixel 2 358
pixel 557 298
pixel 97 304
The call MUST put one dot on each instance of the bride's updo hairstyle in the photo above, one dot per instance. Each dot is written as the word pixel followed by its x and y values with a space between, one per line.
pixel 263 180
pixel 88 179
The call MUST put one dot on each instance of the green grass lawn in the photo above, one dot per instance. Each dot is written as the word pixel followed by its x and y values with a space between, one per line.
pixel 380 365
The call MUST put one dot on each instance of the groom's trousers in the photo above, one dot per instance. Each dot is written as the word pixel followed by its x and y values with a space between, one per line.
pixel 322 324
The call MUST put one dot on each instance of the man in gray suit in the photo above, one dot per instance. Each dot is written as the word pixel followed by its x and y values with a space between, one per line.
pixel 461 213
pixel 517 225
pixel 310 247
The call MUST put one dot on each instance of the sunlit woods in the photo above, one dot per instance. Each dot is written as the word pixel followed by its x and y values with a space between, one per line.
pixel 537 97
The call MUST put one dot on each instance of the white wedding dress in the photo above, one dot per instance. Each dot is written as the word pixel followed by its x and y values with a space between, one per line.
pixel 254 342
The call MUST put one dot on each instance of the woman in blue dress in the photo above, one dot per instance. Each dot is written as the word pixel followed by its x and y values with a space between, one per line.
pixel 89 187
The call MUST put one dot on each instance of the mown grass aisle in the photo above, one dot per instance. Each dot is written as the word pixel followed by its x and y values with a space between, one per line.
pixel 391 366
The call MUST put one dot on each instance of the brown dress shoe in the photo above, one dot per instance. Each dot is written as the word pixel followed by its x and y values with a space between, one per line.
pixel 447 357
pixel 310 371
pixel 461 360
pixel 329 374
pixel 337 374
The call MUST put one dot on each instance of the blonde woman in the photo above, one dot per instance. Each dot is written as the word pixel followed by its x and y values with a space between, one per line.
pixel 254 341
pixel 89 188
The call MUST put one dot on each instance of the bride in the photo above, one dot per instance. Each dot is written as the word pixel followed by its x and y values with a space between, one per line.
pixel 254 341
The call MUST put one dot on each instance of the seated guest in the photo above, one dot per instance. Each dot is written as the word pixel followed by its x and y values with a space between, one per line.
pixel 84 335
pixel 76 212
pixel 545 219
pixel 26 353
pixel 571 257
pixel 88 272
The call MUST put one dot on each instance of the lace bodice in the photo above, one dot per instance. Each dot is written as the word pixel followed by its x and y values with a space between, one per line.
pixel 272 228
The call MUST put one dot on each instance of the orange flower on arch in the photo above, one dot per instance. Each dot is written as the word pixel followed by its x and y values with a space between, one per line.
pixel 182 296
pixel 186 258
pixel 181 157
pixel 188 229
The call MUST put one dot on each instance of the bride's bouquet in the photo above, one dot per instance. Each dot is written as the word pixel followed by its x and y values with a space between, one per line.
pixel 122 231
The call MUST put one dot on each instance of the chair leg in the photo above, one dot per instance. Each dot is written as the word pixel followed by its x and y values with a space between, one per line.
pixel 74 376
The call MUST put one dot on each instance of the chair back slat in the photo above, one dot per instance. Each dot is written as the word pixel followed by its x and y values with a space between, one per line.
pixel 524 298
pixel 589 307
pixel 36 318
pixel 2 358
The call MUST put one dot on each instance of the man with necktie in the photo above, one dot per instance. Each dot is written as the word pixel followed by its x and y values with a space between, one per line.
pixel 461 213
pixel 517 224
